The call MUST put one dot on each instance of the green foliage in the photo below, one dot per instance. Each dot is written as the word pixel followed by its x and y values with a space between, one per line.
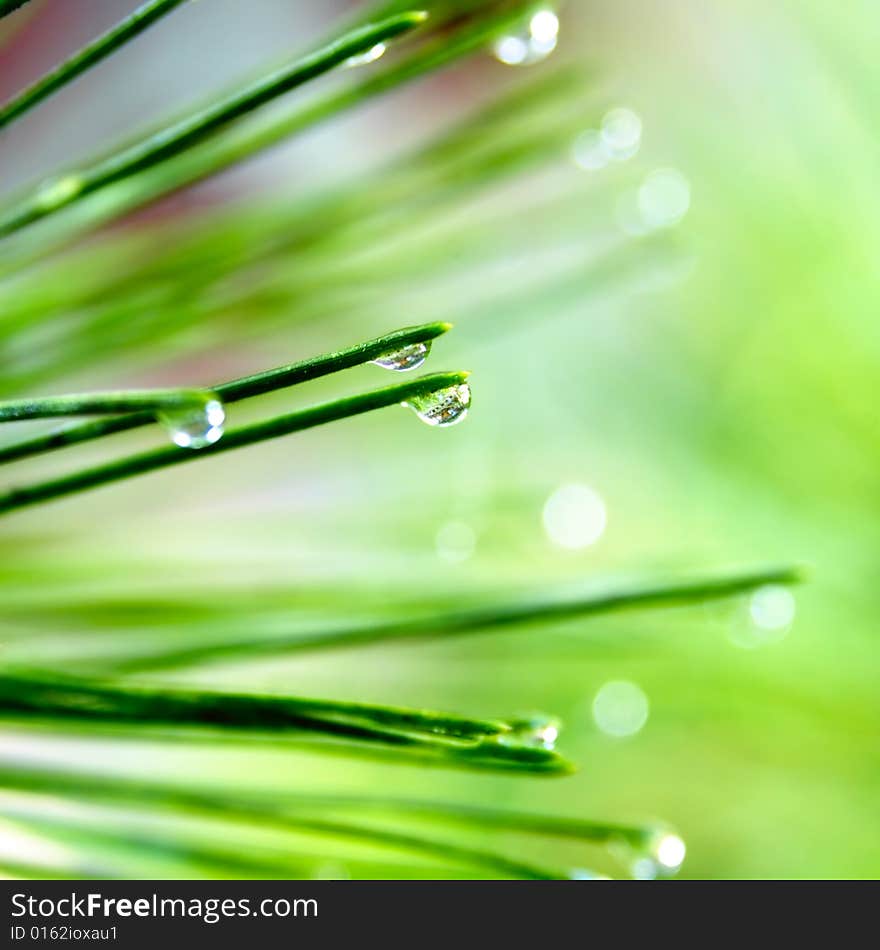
pixel 143 18
pixel 9 6
pixel 79 302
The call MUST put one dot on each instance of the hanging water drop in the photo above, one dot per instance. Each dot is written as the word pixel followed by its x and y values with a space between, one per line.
pixel 768 618
pixel 540 732
pixel 444 407
pixel 195 427
pixel 367 57
pixel 405 359
pixel 534 43
pixel 544 734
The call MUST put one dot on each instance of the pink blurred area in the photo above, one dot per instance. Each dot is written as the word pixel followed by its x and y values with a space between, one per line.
pixel 193 54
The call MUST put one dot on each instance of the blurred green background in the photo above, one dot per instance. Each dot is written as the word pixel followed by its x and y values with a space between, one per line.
pixel 713 384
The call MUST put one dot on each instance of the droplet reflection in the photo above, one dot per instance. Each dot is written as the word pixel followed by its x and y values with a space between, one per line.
pixel 365 58
pixel 539 731
pixel 445 407
pixel 405 359
pixel 195 427
pixel 772 607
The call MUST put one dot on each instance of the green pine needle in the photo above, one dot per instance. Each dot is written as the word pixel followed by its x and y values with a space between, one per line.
pixel 139 464
pixel 138 401
pixel 285 809
pixel 142 18
pixel 481 620
pixel 10 6
pixel 421 735
pixel 176 139
pixel 423 233
pixel 256 384
pixel 244 139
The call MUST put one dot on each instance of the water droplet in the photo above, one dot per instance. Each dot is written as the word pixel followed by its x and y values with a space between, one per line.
pixel 535 42
pixel 666 854
pixel 367 57
pixel 670 851
pixel 403 360
pixel 57 192
pixel 575 517
pixel 772 607
pixel 541 732
pixel 195 427
pixel 512 50
pixel 445 407
pixel 620 709
pixel 455 542
pixel 771 612
pixel 546 735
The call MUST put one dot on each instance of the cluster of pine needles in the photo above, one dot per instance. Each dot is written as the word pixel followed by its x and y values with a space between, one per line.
pixel 53 264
